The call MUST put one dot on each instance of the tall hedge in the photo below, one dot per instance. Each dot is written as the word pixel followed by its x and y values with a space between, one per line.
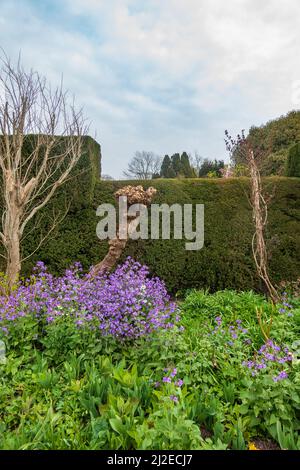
pixel 293 162
pixel 226 259
pixel 77 194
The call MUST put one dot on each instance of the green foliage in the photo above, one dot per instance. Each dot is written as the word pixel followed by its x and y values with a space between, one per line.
pixel 167 170
pixel 186 169
pixel 177 166
pixel 225 262
pixel 68 241
pixel 232 304
pixel 176 163
pixel 273 141
pixel 211 168
pixel 64 388
pixel 293 161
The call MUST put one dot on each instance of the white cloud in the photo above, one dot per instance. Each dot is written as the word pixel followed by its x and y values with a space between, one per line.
pixel 160 74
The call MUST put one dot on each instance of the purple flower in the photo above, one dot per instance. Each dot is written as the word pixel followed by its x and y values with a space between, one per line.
pixel 270 357
pixel 179 383
pixel 287 305
pixel 281 360
pixel 174 398
pixel 126 304
pixel 167 380
pixel 248 364
pixel 283 375
pixel 261 365
pixel 174 372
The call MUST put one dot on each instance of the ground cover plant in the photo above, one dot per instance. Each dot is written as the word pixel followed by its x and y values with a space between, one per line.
pixel 112 362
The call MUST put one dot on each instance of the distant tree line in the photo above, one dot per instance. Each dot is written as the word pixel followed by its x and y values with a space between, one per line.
pixel 177 166
pixel 186 166
pixel 277 145
pixel 147 165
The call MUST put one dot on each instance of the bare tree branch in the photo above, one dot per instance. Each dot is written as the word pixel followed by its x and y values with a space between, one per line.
pixel 41 141
pixel 196 161
pixel 143 166
pixel 259 203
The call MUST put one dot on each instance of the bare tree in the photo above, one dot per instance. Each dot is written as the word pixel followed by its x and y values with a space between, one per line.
pixel 41 137
pixel 259 202
pixel 143 166
pixel 106 178
pixel 196 161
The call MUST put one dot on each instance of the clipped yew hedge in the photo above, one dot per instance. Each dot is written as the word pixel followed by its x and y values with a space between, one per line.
pixel 226 259
pixel 77 194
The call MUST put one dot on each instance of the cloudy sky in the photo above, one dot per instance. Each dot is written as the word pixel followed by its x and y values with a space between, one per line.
pixel 162 75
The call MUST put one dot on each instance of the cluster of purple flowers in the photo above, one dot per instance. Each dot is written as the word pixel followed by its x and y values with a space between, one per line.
pixel 174 398
pixel 125 303
pixel 269 355
pixel 233 331
pixel 287 307
pixel 171 378
pixel 283 375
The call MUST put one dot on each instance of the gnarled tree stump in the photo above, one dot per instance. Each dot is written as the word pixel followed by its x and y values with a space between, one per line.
pixel 135 195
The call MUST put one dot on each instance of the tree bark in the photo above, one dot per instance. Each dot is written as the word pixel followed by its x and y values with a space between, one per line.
pixel 13 262
pixel 116 248
pixel 12 243
pixel 134 195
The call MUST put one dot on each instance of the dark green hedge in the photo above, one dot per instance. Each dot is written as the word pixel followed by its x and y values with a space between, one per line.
pixel 77 193
pixel 226 259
